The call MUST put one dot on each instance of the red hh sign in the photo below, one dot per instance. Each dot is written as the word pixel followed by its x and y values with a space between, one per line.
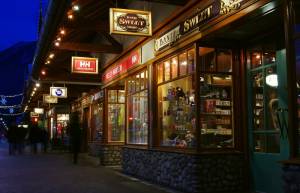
pixel 133 59
pixel 84 65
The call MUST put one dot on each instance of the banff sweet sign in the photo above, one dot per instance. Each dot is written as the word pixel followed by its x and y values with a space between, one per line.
pixel 130 22
pixel 84 65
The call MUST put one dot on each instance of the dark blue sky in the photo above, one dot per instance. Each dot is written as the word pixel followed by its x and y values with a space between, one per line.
pixel 18 21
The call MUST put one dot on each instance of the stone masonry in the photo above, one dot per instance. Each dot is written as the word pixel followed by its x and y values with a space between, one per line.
pixel 109 154
pixel 206 173
pixel 291 178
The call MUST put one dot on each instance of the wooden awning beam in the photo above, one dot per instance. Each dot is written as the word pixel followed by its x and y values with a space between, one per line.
pixel 99 26
pixel 84 47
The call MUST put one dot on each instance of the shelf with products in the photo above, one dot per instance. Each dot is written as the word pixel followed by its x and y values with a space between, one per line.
pixel 216 110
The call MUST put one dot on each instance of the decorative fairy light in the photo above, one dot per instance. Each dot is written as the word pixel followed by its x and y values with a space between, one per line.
pixel 3 100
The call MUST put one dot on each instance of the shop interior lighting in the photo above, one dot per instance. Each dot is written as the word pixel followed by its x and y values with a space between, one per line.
pixel 43 72
pixel 37 84
pixel 51 55
pixel 76 7
pixel 58 39
pixel 272 80
pixel 48 62
pixel 70 16
pixel 63 32
pixel 34 88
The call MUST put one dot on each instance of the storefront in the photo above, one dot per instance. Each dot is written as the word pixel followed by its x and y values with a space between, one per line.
pixel 97 123
pixel 216 101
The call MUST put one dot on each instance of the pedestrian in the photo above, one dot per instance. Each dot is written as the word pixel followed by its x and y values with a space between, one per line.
pixel 34 137
pixel 12 138
pixel 44 139
pixel 20 137
pixel 75 135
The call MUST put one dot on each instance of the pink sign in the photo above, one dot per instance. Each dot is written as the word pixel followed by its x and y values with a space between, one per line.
pixel 84 65
pixel 122 67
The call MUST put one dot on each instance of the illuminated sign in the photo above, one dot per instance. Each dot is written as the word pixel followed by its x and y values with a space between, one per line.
pixel 49 99
pixel 130 22
pixel 60 92
pixel 39 110
pixel 84 65
pixel 133 59
pixel 34 114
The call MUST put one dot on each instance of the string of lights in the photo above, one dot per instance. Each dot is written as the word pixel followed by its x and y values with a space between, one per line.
pixel 11 96
pixel 11 106
pixel 12 114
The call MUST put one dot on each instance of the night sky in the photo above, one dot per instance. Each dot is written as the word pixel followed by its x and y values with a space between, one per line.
pixel 19 21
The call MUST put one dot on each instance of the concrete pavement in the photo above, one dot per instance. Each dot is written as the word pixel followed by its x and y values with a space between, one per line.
pixel 55 173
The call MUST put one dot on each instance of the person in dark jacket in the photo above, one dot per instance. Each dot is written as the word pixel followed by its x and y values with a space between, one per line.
pixel 12 138
pixel 75 135
pixel 20 137
pixel 34 137
pixel 44 139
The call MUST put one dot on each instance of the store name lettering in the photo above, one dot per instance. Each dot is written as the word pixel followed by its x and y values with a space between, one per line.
pixel 168 38
pixel 84 64
pixel 194 22
pixel 229 5
pixel 131 22
pixel 122 67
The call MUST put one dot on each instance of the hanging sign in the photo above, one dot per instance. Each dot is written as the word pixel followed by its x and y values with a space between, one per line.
pixel 34 114
pixel 60 92
pixel 133 59
pixel 130 22
pixel 84 65
pixel 39 110
pixel 49 99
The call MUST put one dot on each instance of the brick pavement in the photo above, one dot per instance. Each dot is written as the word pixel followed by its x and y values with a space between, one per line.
pixel 55 173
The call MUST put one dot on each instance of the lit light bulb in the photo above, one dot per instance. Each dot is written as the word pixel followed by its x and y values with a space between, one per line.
pixel 75 7
pixel 56 44
pixel 70 16
pixel 62 32
pixel 51 55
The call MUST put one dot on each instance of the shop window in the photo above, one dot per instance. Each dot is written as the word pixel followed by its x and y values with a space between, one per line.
pixel 167 71
pixel 160 73
pixel 264 102
pixel 191 61
pixel 174 64
pixel 207 59
pixel 137 111
pixel 116 115
pixel 216 98
pixel 183 64
pixel 97 117
pixel 176 105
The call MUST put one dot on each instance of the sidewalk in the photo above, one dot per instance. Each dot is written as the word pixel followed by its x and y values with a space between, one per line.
pixel 55 173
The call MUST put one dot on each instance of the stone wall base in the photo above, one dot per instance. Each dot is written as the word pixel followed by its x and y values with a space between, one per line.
pixel 109 154
pixel 213 173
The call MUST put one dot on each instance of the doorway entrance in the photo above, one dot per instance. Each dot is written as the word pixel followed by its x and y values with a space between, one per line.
pixel 267 99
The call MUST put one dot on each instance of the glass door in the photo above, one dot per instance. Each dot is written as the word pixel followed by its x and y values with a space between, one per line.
pixel 267 96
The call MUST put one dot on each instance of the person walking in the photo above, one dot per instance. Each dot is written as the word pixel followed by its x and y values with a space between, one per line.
pixel 44 139
pixel 21 133
pixel 75 135
pixel 12 138
pixel 34 137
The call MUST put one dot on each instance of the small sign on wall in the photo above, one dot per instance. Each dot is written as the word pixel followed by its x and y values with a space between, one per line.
pixel 49 99
pixel 84 65
pixel 130 22
pixel 60 92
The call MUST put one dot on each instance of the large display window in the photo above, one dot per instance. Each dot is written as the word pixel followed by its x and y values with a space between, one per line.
pixel 216 98
pixel 116 115
pixel 137 108
pixel 97 117
pixel 176 100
